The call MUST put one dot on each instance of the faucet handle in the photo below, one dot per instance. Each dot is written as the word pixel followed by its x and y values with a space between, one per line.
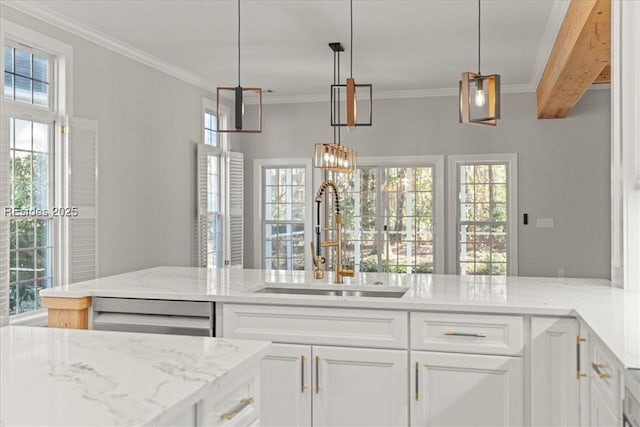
pixel 347 273
pixel 317 260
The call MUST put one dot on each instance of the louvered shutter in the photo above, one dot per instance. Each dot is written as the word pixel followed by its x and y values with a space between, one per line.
pixel 202 200
pixel 235 169
pixel 4 222
pixel 83 194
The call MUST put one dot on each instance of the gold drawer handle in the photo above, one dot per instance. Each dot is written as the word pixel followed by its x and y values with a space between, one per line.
pixel 236 410
pixel 597 368
pixel 462 334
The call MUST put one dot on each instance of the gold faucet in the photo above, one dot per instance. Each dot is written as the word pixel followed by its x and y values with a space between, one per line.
pixel 337 243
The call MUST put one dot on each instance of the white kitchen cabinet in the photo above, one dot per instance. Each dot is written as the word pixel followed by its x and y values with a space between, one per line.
pixel 555 383
pixel 454 389
pixel 600 411
pixel 344 386
pixel 359 387
pixel 286 386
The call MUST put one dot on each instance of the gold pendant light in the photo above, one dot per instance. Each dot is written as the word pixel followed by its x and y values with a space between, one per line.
pixel 335 157
pixel 479 94
pixel 351 90
pixel 239 95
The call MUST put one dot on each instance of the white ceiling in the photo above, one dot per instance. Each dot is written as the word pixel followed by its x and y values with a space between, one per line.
pixel 419 45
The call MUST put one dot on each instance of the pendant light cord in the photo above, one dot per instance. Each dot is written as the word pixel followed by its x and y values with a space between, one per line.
pixel 338 53
pixel 239 43
pixel 479 37
pixel 336 80
pixel 351 42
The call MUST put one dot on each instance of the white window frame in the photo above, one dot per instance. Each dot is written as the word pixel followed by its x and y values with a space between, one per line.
pixel 59 109
pixel 222 150
pixel 258 204
pixel 511 159
pixel 437 163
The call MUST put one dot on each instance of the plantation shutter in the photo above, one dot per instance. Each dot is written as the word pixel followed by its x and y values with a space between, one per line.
pixel 4 222
pixel 202 200
pixel 83 194
pixel 236 208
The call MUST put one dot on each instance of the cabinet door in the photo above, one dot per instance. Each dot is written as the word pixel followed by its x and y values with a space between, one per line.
pixel 285 386
pixel 359 387
pixel 600 412
pixel 555 385
pixel 455 389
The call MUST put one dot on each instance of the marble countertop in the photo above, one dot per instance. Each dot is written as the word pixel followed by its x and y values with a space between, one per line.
pixel 66 377
pixel 612 313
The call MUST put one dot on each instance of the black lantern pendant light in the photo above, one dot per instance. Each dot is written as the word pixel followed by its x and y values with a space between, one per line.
pixel 351 97
pixel 335 157
pixel 238 97
pixel 483 105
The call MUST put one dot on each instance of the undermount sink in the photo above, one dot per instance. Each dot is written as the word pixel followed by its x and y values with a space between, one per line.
pixel 339 292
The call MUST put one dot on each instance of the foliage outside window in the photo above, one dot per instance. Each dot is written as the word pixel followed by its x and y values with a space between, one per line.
pixel 284 217
pixel 482 219
pixel 30 244
pixel 388 218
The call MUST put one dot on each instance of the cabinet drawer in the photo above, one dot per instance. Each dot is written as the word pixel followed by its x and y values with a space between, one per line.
pixel 606 374
pixel 236 405
pixel 467 333
pixel 311 325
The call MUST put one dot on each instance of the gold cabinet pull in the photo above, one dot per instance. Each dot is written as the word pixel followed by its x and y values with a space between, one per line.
pixel 597 368
pixel 302 386
pixel 463 334
pixel 417 382
pixel 317 374
pixel 237 409
pixel 579 373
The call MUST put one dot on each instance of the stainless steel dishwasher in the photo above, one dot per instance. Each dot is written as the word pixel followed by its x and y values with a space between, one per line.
pixel 154 316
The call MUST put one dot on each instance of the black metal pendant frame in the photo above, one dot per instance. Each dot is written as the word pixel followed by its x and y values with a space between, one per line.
pixel 491 84
pixel 335 109
pixel 238 96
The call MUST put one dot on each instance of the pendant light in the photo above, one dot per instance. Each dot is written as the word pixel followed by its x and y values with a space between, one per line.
pixel 238 95
pixel 351 96
pixel 479 94
pixel 335 157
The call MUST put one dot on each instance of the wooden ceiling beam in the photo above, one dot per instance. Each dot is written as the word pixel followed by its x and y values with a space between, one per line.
pixel 580 54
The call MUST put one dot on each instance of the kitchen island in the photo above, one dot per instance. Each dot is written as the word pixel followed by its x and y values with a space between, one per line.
pixel 511 350
pixel 67 377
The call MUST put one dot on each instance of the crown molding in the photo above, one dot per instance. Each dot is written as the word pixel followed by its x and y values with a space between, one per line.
pixel 556 17
pixel 79 29
pixel 393 94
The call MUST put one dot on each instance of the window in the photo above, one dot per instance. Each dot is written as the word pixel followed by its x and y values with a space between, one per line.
pixel 31 170
pixel 284 217
pixel 391 215
pixel 30 237
pixel 210 163
pixel 36 82
pixel 210 131
pixel 484 209
pixel 26 76
pixel 284 221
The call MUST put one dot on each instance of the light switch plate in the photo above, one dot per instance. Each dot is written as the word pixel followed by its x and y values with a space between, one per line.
pixel 544 222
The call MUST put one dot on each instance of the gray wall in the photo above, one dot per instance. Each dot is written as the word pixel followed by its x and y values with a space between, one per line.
pixel 148 122
pixel 563 165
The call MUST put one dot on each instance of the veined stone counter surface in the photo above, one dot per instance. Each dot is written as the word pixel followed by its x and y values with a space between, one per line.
pixel 612 313
pixel 68 377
